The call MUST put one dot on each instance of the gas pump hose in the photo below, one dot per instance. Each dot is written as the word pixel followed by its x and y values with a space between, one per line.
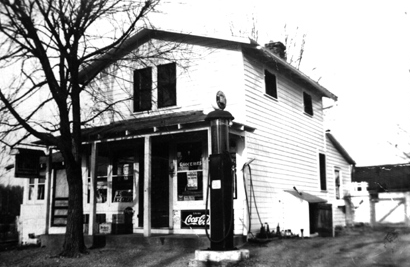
pixel 249 202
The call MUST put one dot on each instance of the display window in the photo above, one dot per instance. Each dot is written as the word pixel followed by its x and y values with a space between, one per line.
pixel 122 179
pixel 117 174
pixel 102 180
pixel 190 171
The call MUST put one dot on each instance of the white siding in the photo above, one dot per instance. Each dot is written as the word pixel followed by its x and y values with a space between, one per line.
pixel 202 70
pixel 336 161
pixel 286 142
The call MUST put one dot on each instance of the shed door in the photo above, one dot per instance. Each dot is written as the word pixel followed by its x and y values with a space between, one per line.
pixel 321 219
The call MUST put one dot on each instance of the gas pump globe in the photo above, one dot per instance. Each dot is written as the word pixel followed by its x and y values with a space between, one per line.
pixel 221 178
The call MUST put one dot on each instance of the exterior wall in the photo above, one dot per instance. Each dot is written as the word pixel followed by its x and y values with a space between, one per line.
pixel 203 68
pixel 33 221
pixel 358 203
pixel 285 145
pixel 32 215
pixel 286 142
pixel 295 215
pixel 335 161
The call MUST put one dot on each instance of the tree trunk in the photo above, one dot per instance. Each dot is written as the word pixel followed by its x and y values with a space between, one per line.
pixel 74 237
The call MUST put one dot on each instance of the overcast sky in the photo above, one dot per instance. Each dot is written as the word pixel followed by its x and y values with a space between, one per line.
pixel 359 50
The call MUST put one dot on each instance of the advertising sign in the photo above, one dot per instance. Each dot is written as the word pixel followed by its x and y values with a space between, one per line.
pixel 192 178
pixel 194 219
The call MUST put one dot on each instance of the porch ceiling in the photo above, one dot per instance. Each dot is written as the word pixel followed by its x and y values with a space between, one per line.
pixel 151 125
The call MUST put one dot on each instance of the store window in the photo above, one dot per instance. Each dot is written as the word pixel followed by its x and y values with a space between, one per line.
pixel 102 178
pixel 190 171
pixel 118 171
pixel 122 179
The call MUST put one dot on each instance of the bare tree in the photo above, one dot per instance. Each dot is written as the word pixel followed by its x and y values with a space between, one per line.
pixel 401 143
pixel 44 44
pixel 295 46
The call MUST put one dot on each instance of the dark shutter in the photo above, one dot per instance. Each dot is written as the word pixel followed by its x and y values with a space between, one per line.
pixel 142 89
pixel 322 164
pixel 167 83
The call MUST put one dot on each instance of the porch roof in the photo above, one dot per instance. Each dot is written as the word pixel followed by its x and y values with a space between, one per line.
pixel 306 196
pixel 152 124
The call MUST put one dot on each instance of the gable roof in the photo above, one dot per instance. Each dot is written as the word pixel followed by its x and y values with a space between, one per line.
pixel 248 46
pixel 340 148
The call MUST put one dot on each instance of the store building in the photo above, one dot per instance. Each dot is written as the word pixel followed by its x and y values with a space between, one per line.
pixel 150 151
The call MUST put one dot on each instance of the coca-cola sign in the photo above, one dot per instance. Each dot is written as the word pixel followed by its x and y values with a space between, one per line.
pixel 194 219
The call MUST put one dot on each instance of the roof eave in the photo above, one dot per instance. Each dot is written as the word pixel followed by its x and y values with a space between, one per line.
pixel 139 38
pixel 274 59
pixel 340 148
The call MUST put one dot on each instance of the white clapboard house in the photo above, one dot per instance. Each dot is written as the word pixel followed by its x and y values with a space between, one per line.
pixel 152 146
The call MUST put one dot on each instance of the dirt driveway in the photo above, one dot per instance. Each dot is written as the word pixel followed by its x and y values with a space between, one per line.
pixel 355 247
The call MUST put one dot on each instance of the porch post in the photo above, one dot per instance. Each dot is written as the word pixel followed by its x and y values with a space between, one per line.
pixel 48 187
pixel 92 229
pixel 147 186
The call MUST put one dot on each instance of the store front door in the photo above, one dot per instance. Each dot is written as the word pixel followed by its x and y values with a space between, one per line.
pixel 160 185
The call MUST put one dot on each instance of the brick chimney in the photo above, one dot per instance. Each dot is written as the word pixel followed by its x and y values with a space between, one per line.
pixel 278 48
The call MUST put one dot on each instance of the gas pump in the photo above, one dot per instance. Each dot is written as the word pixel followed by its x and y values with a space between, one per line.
pixel 221 178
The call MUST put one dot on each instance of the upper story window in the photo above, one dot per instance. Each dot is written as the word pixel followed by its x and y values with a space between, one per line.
pixel 270 84
pixel 307 103
pixel 167 85
pixel 142 89
pixel 322 171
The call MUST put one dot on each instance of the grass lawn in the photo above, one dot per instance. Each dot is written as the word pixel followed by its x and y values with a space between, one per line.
pixel 355 247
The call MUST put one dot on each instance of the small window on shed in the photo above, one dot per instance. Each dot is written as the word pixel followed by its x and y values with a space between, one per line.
pixel 337 183
pixel 270 84
pixel 307 103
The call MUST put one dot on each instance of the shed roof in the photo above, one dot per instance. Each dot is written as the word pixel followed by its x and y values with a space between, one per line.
pixel 306 196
